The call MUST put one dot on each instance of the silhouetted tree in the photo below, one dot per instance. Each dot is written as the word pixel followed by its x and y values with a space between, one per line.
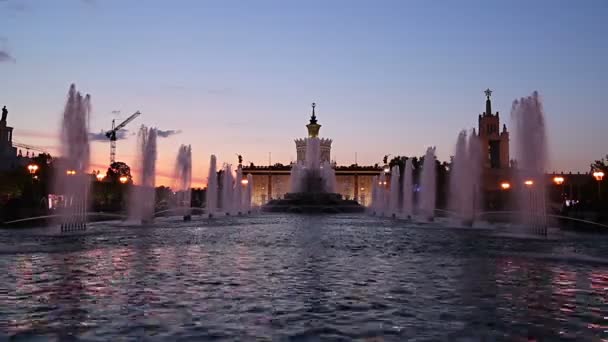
pixel 117 170
pixel 600 165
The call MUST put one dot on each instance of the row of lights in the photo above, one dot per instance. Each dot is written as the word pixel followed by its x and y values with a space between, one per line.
pixel 558 180
pixel 527 182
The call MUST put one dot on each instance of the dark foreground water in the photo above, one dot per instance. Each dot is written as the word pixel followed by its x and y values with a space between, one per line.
pixel 301 278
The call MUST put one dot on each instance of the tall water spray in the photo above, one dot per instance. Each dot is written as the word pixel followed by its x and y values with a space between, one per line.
pixel 312 175
pixel 475 158
pixel 328 175
pixel 313 153
pixel 237 193
pixel 374 203
pixel 227 189
pixel 382 195
pixel 395 189
pixel 141 206
pixel 248 194
pixel 428 184
pixel 183 180
pixel 296 177
pixel 212 192
pixel 532 158
pixel 73 182
pixel 465 174
pixel 408 189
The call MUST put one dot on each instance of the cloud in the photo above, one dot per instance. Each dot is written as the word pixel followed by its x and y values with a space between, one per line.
pixel 165 134
pixel 5 56
pixel 101 136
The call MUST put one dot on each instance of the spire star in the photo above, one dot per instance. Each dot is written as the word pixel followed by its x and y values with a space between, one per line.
pixel 488 92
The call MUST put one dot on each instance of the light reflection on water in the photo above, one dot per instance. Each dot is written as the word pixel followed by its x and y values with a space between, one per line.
pixel 306 277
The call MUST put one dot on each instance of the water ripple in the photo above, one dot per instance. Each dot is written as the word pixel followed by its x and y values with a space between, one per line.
pixel 302 279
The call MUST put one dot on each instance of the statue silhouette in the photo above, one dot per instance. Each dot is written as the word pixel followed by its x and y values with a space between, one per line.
pixel 4 114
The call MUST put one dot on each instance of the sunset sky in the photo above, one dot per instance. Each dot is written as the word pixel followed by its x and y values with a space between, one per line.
pixel 239 76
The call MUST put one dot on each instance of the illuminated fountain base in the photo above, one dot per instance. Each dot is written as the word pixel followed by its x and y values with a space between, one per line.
pixel 313 203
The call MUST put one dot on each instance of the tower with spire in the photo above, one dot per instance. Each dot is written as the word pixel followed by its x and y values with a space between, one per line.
pixel 493 139
pixel 313 128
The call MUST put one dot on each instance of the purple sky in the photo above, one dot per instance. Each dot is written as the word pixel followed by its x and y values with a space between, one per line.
pixel 239 76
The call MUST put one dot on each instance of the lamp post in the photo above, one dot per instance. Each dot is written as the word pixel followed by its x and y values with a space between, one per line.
pixel 123 179
pixel 559 181
pixel 599 175
pixel 529 184
pixel 32 168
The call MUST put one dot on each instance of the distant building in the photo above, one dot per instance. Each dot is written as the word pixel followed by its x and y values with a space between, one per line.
pixel 495 146
pixel 272 182
pixel 492 138
pixel 313 132
pixel 9 160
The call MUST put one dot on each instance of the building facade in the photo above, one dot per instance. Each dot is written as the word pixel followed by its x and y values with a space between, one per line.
pixel 9 160
pixel 495 147
pixel 272 182
pixel 313 128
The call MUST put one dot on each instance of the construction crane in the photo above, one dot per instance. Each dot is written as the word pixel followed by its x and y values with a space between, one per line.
pixel 111 134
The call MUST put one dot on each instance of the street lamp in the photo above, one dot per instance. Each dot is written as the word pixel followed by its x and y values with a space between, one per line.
pixel 100 176
pixel 32 168
pixel 70 172
pixel 244 182
pixel 559 180
pixel 505 185
pixel 123 179
pixel 529 183
pixel 599 175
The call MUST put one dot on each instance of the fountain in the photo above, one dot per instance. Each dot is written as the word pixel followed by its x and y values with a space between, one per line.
pixel 395 189
pixel 295 177
pixel 237 194
pixel 312 185
pixel 532 160
pixel 73 184
pixel 408 189
pixel 212 187
pixel 248 194
pixel 328 174
pixel 375 194
pixel 465 194
pixel 227 184
pixel 428 191
pixel 141 208
pixel 380 197
pixel 183 180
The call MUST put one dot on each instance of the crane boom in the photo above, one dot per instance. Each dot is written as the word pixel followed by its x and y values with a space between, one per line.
pixel 29 147
pixel 111 134
pixel 129 119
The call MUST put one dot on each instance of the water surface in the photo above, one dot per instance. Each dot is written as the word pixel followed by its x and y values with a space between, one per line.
pixel 280 277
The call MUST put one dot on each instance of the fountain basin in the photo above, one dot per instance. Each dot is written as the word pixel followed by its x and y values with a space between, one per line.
pixel 313 203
